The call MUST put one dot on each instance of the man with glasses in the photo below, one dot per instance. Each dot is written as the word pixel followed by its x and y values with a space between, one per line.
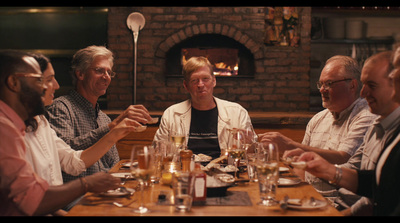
pixel 22 191
pixel 77 118
pixel 336 132
pixel 203 116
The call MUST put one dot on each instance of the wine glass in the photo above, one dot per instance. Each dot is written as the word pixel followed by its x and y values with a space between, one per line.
pixel 178 134
pixel 268 173
pixel 235 148
pixel 142 168
pixel 249 135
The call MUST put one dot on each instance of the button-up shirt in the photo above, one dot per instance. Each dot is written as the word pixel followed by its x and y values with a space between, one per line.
pixel 21 189
pixel 366 157
pixel 343 133
pixel 80 125
pixel 48 154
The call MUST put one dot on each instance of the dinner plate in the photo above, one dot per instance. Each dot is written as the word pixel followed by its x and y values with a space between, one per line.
pixel 288 182
pixel 128 164
pixel 292 203
pixel 121 175
pixel 119 192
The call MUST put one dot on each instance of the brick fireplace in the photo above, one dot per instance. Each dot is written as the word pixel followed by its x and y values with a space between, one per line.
pixel 277 78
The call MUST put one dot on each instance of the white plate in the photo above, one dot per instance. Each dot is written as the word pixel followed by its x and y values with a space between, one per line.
pixel 307 205
pixel 128 164
pixel 283 169
pixel 118 192
pixel 288 182
pixel 121 175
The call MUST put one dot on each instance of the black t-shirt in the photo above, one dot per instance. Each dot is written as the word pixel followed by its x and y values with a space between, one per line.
pixel 203 135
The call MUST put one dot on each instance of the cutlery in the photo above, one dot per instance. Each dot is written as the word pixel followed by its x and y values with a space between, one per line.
pixel 123 205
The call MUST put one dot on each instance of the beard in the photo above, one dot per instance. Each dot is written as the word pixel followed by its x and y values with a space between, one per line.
pixel 32 100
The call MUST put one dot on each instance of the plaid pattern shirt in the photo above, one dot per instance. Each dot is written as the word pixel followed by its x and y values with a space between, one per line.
pixel 344 133
pixel 80 125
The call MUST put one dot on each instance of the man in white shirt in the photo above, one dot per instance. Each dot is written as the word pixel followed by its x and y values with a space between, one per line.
pixel 336 132
pixel 203 116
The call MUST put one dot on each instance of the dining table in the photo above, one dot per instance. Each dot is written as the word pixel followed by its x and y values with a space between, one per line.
pixel 241 199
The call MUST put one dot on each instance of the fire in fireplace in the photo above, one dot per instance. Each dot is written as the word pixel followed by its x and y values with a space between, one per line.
pixel 224 60
pixel 229 57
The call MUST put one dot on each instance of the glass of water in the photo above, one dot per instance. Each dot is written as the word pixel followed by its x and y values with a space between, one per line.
pixel 183 191
pixel 268 174
pixel 251 158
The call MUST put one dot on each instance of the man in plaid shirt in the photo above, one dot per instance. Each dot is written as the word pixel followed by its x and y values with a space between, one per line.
pixel 77 118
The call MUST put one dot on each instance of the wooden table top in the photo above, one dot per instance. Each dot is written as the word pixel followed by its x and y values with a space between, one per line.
pixel 95 205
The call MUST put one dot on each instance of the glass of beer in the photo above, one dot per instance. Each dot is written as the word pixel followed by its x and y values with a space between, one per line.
pixel 142 168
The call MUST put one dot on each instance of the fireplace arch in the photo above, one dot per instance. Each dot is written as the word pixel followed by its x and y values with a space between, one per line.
pixel 199 35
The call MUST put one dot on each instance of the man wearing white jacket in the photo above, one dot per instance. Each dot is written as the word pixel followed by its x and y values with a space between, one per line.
pixel 210 114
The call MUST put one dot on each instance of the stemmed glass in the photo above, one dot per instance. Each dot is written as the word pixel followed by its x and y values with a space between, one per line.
pixel 235 148
pixel 249 136
pixel 142 168
pixel 178 134
pixel 268 173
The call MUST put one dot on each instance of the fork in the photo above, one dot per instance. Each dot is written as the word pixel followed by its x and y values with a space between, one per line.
pixel 123 205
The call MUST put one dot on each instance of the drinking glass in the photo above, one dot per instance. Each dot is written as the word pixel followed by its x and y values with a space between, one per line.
pixel 178 134
pixel 251 158
pixel 235 149
pixel 167 150
pixel 249 135
pixel 182 187
pixel 157 159
pixel 142 168
pixel 268 173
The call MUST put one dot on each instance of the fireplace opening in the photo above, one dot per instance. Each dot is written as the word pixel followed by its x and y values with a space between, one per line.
pixel 229 57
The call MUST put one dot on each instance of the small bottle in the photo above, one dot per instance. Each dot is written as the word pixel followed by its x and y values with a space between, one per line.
pixel 199 179
pixel 186 157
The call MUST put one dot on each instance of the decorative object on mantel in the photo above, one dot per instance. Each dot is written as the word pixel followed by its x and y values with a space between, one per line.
pixel 282 26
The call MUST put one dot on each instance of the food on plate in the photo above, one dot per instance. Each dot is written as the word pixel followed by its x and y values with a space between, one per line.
pixel 202 158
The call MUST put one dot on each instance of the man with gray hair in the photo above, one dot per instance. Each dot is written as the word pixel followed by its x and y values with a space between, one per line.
pixel 336 132
pixel 77 118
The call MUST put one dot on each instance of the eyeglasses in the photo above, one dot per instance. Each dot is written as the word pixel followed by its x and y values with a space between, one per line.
pixel 197 80
pixel 102 71
pixel 327 85
pixel 38 76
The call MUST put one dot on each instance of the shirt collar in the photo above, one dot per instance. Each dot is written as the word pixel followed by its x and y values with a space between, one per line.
pixel 8 112
pixel 345 112
pixel 84 102
pixel 391 120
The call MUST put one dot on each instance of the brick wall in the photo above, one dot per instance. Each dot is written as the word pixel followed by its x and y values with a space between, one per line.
pixel 280 83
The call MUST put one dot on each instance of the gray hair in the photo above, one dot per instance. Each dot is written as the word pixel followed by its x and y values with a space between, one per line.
pixel 83 58
pixel 350 68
